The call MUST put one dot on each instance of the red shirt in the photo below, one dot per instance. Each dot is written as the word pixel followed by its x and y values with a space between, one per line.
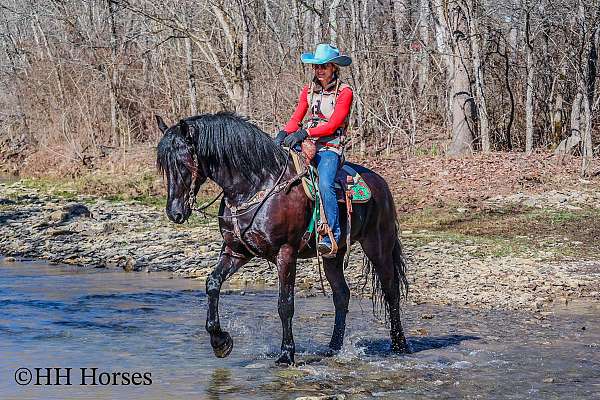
pixel 341 111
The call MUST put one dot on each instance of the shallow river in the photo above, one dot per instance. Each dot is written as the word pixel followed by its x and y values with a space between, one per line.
pixel 66 317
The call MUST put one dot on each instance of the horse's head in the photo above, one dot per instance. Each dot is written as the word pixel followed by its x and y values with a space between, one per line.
pixel 177 160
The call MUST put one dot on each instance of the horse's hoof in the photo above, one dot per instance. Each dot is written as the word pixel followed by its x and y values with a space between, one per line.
pixel 285 360
pixel 331 352
pixel 400 348
pixel 224 349
pixel 336 345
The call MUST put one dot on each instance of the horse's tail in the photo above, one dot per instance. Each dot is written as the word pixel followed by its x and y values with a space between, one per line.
pixel 398 261
pixel 400 268
pixel 380 306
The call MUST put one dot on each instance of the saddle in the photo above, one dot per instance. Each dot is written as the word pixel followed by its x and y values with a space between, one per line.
pixel 350 188
pixel 347 178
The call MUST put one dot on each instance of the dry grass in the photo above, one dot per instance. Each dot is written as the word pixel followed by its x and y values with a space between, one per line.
pixel 419 183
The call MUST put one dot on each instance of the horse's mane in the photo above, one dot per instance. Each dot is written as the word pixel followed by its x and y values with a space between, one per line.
pixel 226 140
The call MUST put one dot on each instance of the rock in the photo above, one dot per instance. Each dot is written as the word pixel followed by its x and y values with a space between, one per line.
pixel 255 366
pixel 129 264
pixel 572 208
pixel 59 232
pixel 69 212
pixel 324 397
pixel 549 380
pixel 462 365
pixel 442 271
pixel 77 210
pixel 110 227
pixel 291 373
pixel 420 332
pixel 58 216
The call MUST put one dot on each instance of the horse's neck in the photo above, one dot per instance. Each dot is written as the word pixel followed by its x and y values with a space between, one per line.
pixel 236 188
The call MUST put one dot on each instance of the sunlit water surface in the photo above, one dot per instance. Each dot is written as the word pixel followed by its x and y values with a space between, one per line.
pixel 67 317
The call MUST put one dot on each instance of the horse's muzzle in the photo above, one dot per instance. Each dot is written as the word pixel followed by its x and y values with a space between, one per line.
pixel 178 216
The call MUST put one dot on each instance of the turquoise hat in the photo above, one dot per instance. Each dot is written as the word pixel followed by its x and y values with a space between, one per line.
pixel 326 53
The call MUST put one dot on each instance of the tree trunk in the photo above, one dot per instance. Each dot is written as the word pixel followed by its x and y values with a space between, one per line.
pixel 245 63
pixel 477 42
pixel 529 90
pixel 442 43
pixel 401 10
pixel 586 79
pixel 462 106
pixel 588 99
pixel 424 22
pixel 189 56
pixel 573 140
pixel 529 103
pixel 317 21
pixel 586 136
pixel 237 33
pixel 333 27
pixel 116 140
pixel 557 109
pixel 358 27
pixel 15 73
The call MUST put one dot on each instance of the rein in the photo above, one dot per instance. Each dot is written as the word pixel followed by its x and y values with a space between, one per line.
pixel 204 206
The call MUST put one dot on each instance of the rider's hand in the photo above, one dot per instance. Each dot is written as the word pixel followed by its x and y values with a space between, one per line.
pixel 295 138
pixel 279 138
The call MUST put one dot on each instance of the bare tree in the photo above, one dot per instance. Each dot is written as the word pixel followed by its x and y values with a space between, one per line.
pixel 529 82
pixel 454 40
pixel 113 75
pixel 478 71
pixel 463 75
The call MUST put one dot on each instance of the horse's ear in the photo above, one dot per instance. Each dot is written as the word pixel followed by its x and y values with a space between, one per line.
pixel 161 124
pixel 184 128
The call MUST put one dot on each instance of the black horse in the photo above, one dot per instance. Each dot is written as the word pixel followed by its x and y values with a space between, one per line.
pixel 265 213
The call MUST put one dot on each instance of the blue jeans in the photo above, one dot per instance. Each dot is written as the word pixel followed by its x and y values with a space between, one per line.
pixel 327 165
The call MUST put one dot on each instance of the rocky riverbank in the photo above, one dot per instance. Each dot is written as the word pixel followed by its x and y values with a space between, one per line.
pixel 444 267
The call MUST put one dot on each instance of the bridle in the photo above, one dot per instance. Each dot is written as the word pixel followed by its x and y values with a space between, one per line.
pixel 195 167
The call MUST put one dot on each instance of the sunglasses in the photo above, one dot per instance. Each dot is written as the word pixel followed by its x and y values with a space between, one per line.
pixel 322 66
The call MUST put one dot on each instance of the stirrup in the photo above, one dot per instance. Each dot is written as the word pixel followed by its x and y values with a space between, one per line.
pixel 326 251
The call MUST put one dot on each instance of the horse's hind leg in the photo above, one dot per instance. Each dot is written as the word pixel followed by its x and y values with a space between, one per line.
pixel 387 260
pixel 334 271
pixel 227 265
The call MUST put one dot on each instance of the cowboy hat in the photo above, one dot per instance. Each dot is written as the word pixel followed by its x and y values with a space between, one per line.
pixel 326 53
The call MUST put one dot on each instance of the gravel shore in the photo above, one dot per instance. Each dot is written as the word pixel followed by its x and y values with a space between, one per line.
pixel 98 233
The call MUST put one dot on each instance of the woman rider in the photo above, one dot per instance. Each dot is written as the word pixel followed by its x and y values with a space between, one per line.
pixel 329 101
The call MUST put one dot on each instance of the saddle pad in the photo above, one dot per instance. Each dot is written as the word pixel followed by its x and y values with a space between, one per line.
pixel 360 190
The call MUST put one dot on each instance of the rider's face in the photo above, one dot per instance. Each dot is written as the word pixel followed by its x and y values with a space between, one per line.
pixel 324 72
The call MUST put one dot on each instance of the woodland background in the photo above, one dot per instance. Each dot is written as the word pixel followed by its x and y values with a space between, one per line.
pixel 82 79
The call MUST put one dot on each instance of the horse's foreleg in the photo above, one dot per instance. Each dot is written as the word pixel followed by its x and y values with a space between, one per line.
pixel 227 265
pixel 286 267
pixel 334 272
